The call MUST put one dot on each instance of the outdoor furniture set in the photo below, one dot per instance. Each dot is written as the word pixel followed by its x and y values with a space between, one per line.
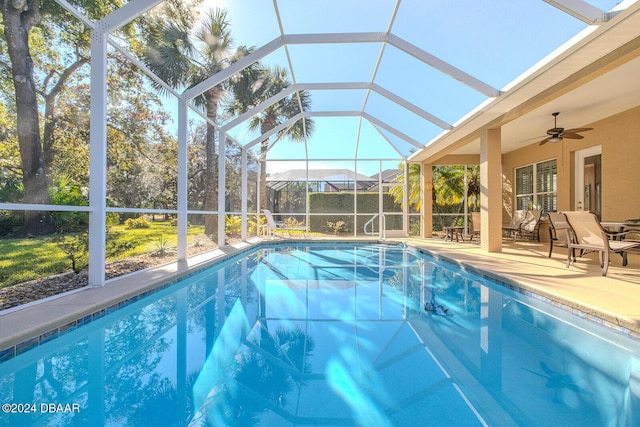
pixel 581 230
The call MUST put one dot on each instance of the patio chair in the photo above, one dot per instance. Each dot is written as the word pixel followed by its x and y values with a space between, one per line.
pixel 588 235
pixel 475 225
pixel 513 226
pixel 530 226
pixel 559 230
pixel 274 227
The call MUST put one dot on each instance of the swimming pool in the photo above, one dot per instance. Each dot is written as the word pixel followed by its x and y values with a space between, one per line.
pixel 329 334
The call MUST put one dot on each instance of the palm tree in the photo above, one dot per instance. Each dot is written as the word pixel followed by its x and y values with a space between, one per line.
pixel 183 58
pixel 271 82
pixel 448 187
pixel 415 192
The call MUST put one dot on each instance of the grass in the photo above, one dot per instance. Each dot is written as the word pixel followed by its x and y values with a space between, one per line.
pixel 22 260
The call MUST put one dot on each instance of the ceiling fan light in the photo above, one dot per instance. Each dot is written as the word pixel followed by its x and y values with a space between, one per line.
pixel 555 139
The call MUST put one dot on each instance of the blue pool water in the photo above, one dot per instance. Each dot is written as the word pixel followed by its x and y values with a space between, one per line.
pixel 330 335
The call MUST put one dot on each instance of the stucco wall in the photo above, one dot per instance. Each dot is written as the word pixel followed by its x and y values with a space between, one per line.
pixel 619 136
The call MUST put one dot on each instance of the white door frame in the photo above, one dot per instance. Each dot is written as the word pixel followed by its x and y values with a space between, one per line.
pixel 580 155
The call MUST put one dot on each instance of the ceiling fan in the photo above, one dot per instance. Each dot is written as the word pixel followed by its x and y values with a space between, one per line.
pixel 557 134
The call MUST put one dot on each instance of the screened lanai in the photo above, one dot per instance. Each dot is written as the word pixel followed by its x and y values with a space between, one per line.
pixel 346 85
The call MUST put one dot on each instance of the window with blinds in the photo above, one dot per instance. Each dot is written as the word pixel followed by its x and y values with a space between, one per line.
pixel 536 186
pixel 546 185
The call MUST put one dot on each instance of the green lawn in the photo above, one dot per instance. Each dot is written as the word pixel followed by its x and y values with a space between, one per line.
pixel 22 260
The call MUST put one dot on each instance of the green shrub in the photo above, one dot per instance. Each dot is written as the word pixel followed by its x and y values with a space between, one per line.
pixel 76 248
pixel 113 218
pixel 336 228
pixel 64 192
pixel 291 222
pixel 233 225
pixel 6 222
pixel 255 223
pixel 161 247
pixel 134 223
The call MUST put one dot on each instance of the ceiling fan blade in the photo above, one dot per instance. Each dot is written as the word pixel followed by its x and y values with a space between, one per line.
pixel 544 141
pixel 575 130
pixel 572 135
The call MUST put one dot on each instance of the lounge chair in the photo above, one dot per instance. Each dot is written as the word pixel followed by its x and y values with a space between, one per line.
pixel 513 226
pixel 558 231
pixel 530 225
pixel 475 225
pixel 588 235
pixel 274 227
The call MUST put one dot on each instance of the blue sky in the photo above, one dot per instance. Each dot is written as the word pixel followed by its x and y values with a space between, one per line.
pixel 494 41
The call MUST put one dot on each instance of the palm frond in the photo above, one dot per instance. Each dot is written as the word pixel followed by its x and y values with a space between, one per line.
pixel 214 35
pixel 169 54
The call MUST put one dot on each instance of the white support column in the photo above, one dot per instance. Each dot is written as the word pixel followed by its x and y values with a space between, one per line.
pixel 183 185
pixel 421 200
pixel 491 190
pixel 243 206
pixel 98 134
pixel 98 160
pixel 427 200
pixel 258 201
pixel 306 196
pixel 405 201
pixel 381 224
pixel 466 202
pixel 222 184
pixel 355 199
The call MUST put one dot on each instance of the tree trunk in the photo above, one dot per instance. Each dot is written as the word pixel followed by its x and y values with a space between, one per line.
pixel 17 23
pixel 211 178
pixel 47 134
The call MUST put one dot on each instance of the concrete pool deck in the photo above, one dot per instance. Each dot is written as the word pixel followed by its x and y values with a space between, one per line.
pixel 615 298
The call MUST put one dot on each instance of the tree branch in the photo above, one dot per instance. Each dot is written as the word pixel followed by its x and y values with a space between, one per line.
pixel 65 75
pixel 31 15
pixel 5 66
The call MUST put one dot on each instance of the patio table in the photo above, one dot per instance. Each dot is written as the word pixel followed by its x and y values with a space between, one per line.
pixel 454 231
pixel 619 226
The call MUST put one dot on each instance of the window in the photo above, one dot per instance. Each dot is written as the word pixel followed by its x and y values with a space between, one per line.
pixel 536 186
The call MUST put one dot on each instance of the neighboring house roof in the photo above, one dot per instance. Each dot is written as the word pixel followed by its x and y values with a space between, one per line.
pixel 388 175
pixel 278 181
pixel 338 175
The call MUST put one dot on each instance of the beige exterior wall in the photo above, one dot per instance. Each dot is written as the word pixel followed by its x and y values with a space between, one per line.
pixel 619 137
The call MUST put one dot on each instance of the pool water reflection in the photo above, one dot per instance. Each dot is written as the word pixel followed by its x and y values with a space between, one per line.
pixel 332 334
